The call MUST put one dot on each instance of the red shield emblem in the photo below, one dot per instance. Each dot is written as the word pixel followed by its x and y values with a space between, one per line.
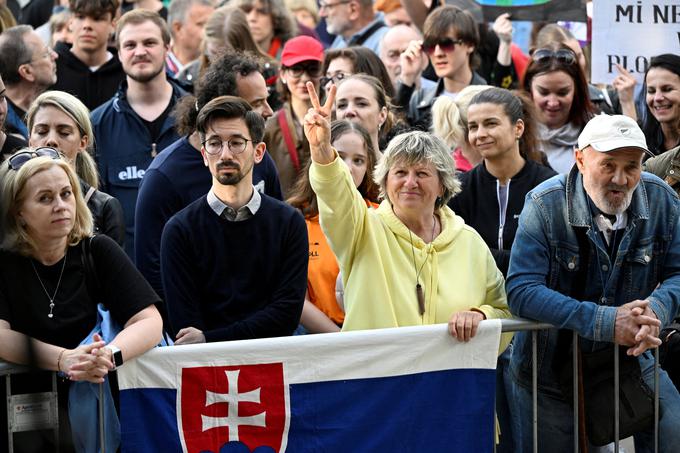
pixel 245 403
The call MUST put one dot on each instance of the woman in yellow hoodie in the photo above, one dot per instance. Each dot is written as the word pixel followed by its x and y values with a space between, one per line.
pixel 411 261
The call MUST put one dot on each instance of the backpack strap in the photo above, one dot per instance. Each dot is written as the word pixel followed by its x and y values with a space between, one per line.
pixel 288 138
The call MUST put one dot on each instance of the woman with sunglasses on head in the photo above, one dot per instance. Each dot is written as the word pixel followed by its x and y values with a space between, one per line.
pixel 53 275
pixel 361 99
pixel 556 84
pixel 59 120
pixel 341 63
pixel 612 100
pixel 450 40
pixel 321 312
pixel 301 62
pixel 662 121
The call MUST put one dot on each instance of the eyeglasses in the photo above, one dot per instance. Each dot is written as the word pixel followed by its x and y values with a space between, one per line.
pixel 47 53
pixel 335 78
pixel 313 70
pixel 326 5
pixel 248 8
pixel 19 159
pixel 565 56
pixel 445 44
pixel 215 145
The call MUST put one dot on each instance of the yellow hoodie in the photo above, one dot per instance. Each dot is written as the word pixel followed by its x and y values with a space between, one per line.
pixel 375 254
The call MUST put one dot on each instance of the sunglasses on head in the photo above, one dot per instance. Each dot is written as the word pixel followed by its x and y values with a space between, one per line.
pixel 445 44
pixel 19 159
pixel 562 55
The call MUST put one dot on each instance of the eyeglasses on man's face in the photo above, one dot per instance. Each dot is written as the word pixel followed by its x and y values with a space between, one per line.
pixel 44 55
pixel 565 56
pixel 18 160
pixel 215 145
pixel 445 44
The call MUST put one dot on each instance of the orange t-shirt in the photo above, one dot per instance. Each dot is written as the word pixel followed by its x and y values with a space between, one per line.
pixel 322 273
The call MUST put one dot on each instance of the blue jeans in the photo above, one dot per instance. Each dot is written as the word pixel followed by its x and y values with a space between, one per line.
pixel 555 417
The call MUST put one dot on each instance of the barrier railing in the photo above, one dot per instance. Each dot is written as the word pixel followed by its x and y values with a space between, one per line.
pixel 507 325
pixel 517 324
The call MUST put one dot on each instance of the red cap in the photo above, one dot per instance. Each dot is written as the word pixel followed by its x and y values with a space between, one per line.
pixel 301 48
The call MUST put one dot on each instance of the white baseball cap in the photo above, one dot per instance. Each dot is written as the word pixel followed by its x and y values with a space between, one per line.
pixel 606 133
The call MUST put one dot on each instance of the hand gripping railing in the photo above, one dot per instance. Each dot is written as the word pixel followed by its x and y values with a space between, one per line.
pixel 518 324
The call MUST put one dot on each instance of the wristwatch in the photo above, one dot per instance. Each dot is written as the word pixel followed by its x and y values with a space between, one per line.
pixel 115 354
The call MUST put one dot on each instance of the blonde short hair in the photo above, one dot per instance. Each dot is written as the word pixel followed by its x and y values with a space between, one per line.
pixel 16 239
pixel 417 147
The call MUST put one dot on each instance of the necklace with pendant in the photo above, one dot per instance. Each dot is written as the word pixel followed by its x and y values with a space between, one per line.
pixel 56 290
pixel 420 295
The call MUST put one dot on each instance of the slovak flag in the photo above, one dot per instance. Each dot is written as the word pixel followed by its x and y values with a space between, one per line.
pixel 408 389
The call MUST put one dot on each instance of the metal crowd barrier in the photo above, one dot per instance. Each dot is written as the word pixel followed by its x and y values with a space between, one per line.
pixel 29 411
pixel 518 324
pixel 507 325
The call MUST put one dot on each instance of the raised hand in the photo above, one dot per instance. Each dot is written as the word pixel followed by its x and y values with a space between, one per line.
pixel 317 126
pixel 624 83
pixel 411 63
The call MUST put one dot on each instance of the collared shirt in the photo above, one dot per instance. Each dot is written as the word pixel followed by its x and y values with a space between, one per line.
pixel 235 215
pixel 173 64
pixel 372 41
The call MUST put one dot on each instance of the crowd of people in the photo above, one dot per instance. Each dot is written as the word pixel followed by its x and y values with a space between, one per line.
pixel 200 171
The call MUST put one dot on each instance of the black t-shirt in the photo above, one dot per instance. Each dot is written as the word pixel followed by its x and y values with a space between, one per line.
pixel 156 126
pixel 24 304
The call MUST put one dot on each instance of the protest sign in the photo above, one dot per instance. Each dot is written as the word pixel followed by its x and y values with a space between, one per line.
pixel 629 33
pixel 403 389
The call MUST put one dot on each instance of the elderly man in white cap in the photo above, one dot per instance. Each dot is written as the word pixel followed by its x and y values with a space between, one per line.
pixel 597 252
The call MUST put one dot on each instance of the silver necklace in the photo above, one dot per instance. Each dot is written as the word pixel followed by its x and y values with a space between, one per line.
pixel 56 290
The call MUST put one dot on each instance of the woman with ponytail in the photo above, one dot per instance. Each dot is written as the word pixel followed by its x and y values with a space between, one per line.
pixel 500 127
pixel 59 120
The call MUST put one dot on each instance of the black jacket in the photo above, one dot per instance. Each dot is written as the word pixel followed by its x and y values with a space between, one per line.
pixel 107 213
pixel 478 205
pixel 75 77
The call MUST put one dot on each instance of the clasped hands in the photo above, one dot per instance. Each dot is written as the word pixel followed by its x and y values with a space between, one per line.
pixel 637 326
pixel 88 362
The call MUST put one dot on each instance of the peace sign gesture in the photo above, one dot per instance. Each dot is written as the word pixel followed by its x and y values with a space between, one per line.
pixel 317 126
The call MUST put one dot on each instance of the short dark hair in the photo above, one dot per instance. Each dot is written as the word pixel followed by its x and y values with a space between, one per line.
pixel 139 16
pixel 231 107
pixel 221 79
pixel 94 8
pixel 581 107
pixel 13 53
pixel 449 17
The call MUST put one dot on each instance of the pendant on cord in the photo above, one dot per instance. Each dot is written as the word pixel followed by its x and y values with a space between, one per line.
pixel 421 299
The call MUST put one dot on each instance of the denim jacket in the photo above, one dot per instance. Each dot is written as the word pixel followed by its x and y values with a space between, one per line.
pixel 545 262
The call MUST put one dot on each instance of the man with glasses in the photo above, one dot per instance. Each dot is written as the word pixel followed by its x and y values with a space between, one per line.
pixel 27 67
pixel 393 44
pixel 234 262
pixel 354 22
pixel 88 68
pixel 451 38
